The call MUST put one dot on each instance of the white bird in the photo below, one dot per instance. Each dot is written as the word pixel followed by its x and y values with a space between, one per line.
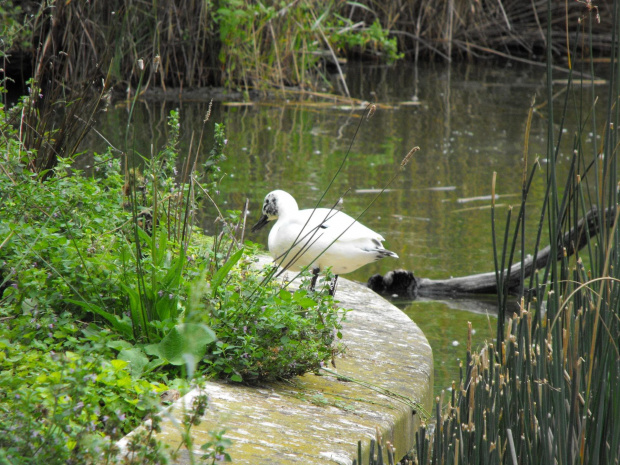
pixel 318 238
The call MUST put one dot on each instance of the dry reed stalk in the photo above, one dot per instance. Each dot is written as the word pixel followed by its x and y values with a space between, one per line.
pixel 190 38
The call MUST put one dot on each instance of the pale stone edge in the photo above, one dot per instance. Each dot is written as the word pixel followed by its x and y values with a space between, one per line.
pixel 382 344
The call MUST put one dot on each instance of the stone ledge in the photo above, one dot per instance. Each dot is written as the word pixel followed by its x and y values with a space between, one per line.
pixel 319 419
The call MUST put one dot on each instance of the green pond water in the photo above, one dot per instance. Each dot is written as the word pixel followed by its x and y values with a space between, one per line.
pixel 469 122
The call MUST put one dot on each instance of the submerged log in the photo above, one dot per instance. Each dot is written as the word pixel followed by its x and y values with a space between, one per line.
pixel 404 284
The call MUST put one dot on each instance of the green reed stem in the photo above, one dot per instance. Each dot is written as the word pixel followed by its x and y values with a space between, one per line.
pixel 544 394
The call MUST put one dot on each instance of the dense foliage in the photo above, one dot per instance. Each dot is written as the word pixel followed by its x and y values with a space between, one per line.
pixel 112 296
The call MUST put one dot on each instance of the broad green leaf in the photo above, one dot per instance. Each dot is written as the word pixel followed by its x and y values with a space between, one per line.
pixel 144 236
pixel 302 300
pixel 136 309
pixel 119 345
pixel 119 364
pixel 183 339
pixel 285 295
pixel 137 360
pixel 153 364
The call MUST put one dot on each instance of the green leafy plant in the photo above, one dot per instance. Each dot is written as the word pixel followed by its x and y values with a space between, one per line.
pixel 263 331
pixel 215 449
pixel 58 407
pixel 108 271
pixel 371 41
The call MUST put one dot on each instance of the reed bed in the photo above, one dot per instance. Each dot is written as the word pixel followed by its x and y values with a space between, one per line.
pixel 512 29
pixel 545 391
pixel 252 45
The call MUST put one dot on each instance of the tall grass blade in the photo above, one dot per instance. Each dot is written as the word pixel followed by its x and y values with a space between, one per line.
pixel 221 273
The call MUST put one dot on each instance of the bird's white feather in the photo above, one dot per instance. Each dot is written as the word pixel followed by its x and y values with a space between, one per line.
pixel 319 238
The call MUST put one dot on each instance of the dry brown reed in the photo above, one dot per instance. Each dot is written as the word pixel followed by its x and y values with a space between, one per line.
pixel 193 43
pixel 469 28
pixel 175 40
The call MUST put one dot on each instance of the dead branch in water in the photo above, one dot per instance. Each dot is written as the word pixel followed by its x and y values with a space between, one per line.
pixel 404 284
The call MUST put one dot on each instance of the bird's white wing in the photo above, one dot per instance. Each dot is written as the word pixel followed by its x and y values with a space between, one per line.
pixel 337 222
pixel 323 238
pixel 326 226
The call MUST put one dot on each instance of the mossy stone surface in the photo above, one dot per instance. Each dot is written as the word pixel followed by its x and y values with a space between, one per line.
pixel 319 419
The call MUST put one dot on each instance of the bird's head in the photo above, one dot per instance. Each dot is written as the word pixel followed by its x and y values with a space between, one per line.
pixel 275 203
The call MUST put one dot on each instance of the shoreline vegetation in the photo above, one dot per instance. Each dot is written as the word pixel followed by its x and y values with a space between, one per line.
pixel 259 47
pixel 112 301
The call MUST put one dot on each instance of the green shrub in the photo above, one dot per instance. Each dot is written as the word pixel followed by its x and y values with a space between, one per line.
pixel 110 296
pixel 59 407
pixel 119 250
pixel 271 334
pixel 54 247
pixel 371 41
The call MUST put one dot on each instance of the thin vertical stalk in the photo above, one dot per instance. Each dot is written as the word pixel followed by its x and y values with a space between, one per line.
pixel 526 141
pixel 134 208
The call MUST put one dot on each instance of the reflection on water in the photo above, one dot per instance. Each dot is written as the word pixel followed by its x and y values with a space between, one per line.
pixel 446 328
pixel 468 121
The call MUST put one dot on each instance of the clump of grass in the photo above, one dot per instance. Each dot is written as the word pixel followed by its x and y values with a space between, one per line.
pixel 545 389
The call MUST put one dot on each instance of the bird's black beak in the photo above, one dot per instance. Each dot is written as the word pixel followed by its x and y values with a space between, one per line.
pixel 261 222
